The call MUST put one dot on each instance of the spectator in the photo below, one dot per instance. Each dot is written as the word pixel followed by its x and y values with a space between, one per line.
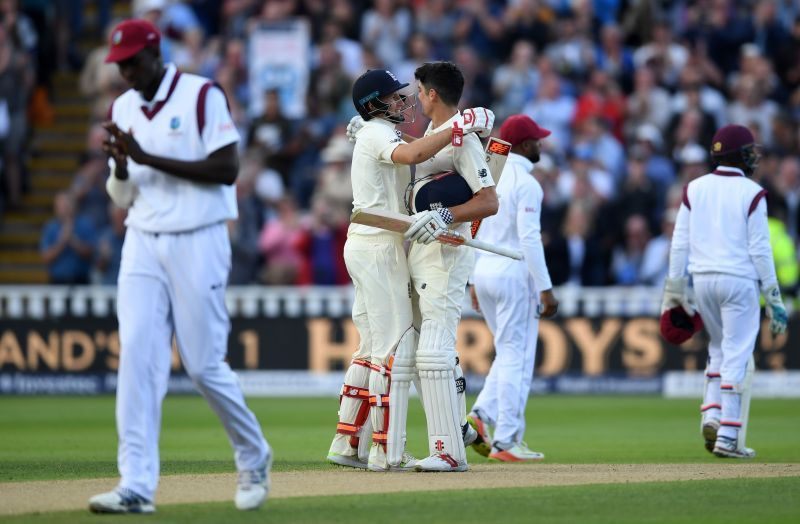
pixel 693 162
pixel 386 28
pixel 333 183
pixel 244 231
pixel 515 82
pixel 574 256
pixel 648 145
pixel 16 81
pixel 666 56
pixel 553 110
pixel 279 243
pixel 626 261
pixel 67 244
pixel 99 81
pixel 88 188
pixel 648 104
pixel 322 245
pixel 655 262
pixel 270 135
pixel 109 247
pixel 613 57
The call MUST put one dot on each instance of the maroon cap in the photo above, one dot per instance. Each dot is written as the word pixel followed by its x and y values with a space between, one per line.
pixel 731 138
pixel 130 37
pixel 677 326
pixel 519 128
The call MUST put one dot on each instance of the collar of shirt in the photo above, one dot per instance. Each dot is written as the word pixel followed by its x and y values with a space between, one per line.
pixel 384 122
pixel 520 160
pixel 447 125
pixel 163 87
pixel 728 171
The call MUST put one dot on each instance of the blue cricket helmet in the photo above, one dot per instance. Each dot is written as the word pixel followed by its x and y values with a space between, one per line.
pixel 370 87
pixel 446 189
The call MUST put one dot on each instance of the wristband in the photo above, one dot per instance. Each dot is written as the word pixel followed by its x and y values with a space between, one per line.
pixel 446 215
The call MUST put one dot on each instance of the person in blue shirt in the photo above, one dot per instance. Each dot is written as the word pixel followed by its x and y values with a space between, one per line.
pixel 67 243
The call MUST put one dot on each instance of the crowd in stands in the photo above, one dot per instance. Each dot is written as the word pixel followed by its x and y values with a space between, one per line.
pixel 632 91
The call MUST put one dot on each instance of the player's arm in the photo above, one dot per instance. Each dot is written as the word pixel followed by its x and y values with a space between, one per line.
pixel 470 162
pixel 528 218
pixel 420 150
pixel 760 250
pixel 484 203
pixel 220 167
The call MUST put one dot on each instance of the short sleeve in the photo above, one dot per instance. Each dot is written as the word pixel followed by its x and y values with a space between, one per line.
pixel 470 162
pixel 382 141
pixel 217 128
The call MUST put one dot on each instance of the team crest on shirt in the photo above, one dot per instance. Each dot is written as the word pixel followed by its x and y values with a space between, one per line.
pixel 175 123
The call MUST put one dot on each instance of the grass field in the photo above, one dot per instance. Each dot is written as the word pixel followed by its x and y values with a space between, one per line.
pixel 49 438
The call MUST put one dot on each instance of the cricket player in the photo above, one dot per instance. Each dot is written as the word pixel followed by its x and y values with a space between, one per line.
pixel 512 294
pixel 377 264
pixel 439 272
pixel 173 163
pixel 722 229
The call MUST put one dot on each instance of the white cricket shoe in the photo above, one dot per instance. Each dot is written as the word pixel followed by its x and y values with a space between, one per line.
pixel 121 500
pixel 252 488
pixel 441 462
pixel 482 443
pixel 519 452
pixel 728 448
pixel 407 463
pixel 349 461
pixel 709 429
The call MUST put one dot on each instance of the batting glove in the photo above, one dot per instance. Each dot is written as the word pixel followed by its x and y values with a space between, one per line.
pixel 478 120
pixel 776 312
pixel 429 225
pixel 675 295
pixel 355 124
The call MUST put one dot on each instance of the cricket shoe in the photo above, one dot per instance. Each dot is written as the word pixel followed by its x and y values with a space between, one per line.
pixel 350 461
pixel 121 500
pixel 252 488
pixel 519 452
pixel 441 462
pixel 407 463
pixel 482 443
pixel 729 448
pixel 710 428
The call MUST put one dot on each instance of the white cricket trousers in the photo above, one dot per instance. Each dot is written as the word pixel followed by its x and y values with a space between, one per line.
pixel 174 283
pixel 508 303
pixel 731 314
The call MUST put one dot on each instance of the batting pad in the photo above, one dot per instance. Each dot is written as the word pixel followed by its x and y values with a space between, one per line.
pixel 353 408
pixel 441 403
pixel 736 406
pixel 402 374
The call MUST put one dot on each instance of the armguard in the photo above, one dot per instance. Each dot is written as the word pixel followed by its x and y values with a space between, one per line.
pixel 122 192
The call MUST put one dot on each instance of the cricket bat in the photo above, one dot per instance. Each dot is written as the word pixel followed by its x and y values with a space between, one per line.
pixel 399 223
pixel 496 155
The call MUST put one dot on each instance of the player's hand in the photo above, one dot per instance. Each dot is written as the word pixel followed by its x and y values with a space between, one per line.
pixel 548 304
pixel 355 124
pixel 675 295
pixel 776 311
pixel 474 298
pixel 427 226
pixel 478 120
pixel 125 143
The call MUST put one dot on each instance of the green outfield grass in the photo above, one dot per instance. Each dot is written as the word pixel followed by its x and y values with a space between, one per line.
pixel 709 502
pixel 52 437
pixel 75 437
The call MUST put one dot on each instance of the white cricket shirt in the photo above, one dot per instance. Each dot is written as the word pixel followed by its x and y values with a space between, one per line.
pixel 377 181
pixel 722 226
pixel 468 160
pixel 517 224
pixel 188 119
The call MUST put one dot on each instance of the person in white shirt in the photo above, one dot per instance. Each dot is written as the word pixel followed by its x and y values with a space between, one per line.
pixel 513 295
pixel 173 164
pixel 451 189
pixel 376 261
pixel 722 230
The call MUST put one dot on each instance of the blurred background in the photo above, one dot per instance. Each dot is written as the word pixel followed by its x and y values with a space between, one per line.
pixel 633 90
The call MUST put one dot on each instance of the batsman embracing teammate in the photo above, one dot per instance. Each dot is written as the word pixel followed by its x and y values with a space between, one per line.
pixel 377 264
pixel 173 163
pixel 722 230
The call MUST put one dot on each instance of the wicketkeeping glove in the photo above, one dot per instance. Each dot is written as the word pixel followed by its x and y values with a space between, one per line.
pixel 429 225
pixel 355 124
pixel 776 312
pixel 478 120
pixel 675 295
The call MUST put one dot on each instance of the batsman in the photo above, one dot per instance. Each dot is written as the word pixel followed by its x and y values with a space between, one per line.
pixel 377 263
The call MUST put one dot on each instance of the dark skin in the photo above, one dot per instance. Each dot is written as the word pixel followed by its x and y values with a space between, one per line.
pixel 548 304
pixel 144 72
